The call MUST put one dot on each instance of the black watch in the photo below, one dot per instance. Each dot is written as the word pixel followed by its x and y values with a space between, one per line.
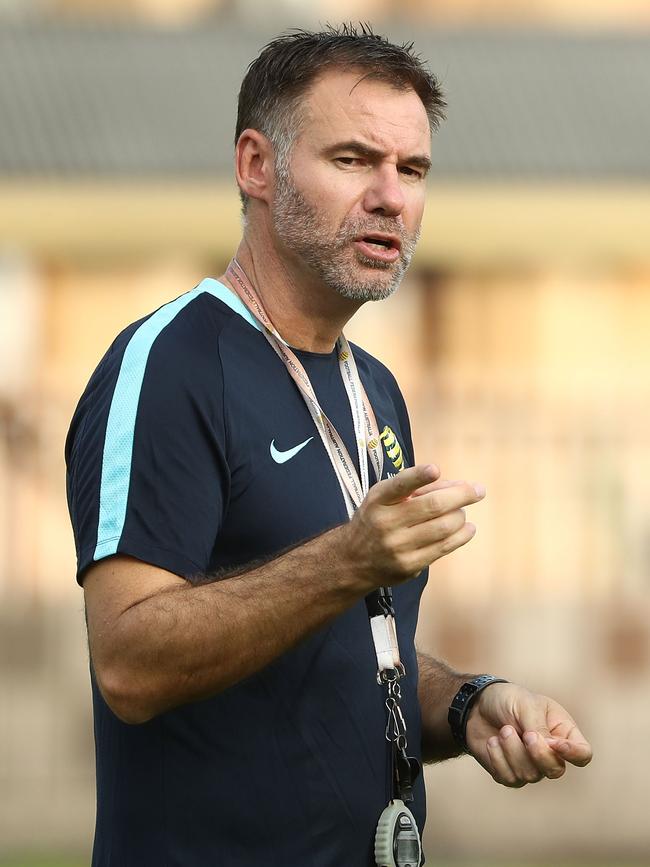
pixel 462 703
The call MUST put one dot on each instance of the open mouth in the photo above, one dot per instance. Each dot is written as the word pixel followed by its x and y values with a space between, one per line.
pixel 383 248
pixel 381 242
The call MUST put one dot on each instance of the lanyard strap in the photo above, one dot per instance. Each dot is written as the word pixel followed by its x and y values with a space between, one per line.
pixel 353 488
pixel 365 425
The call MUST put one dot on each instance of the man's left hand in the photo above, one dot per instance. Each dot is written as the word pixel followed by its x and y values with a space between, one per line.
pixel 520 737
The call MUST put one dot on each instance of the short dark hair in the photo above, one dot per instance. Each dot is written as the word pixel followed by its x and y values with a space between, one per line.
pixel 281 75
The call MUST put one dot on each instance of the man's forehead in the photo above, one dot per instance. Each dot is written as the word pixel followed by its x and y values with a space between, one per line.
pixel 347 103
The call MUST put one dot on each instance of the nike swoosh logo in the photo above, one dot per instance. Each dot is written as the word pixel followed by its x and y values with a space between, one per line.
pixel 282 457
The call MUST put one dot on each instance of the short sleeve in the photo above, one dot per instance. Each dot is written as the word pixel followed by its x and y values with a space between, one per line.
pixel 147 473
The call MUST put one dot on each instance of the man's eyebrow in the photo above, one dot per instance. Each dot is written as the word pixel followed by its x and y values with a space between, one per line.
pixel 420 161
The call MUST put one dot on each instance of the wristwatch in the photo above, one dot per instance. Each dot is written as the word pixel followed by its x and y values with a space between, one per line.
pixel 462 704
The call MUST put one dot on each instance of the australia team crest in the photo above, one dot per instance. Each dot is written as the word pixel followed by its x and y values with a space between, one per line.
pixel 392 448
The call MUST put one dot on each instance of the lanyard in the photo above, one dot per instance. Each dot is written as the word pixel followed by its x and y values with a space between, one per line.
pixel 354 487
pixel 365 425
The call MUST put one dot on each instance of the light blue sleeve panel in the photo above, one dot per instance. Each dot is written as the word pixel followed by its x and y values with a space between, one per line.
pixel 118 446
pixel 120 430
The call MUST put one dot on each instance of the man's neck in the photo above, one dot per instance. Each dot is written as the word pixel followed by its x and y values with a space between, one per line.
pixel 307 314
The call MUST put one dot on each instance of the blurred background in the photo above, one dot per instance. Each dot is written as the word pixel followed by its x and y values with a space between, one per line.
pixel 521 339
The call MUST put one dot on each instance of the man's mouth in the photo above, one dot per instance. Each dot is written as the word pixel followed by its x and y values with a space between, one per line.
pixel 379 239
pixel 379 246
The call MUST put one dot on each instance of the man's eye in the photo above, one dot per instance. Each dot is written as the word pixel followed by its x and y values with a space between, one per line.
pixel 348 161
pixel 410 172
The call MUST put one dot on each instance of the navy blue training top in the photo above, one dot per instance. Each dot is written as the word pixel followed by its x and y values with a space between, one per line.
pixel 183 452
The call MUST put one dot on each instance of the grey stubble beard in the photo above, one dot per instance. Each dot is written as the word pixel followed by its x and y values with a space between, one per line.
pixel 301 229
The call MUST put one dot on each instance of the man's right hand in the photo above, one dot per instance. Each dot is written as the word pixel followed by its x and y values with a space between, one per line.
pixel 407 522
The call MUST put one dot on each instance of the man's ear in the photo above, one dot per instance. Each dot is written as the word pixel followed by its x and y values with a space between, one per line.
pixel 254 165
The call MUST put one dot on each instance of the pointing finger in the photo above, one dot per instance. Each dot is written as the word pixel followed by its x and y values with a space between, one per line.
pixel 436 486
pixel 402 485
pixel 423 509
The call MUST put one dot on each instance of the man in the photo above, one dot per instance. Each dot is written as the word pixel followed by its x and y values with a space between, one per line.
pixel 226 539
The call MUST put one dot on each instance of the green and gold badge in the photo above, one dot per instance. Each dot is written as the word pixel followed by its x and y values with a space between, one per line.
pixel 393 448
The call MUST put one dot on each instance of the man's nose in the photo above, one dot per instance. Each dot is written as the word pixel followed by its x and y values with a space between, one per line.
pixel 384 194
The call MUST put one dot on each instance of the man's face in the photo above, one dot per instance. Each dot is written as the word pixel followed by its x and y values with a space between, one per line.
pixel 350 203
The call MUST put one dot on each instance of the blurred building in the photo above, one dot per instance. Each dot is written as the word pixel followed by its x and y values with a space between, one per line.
pixel 624 14
pixel 520 340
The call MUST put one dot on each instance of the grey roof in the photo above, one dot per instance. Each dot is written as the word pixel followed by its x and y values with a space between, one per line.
pixel 115 101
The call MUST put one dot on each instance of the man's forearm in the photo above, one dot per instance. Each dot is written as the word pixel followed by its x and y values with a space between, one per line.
pixel 158 642
pixel 192 641
pixel 437 685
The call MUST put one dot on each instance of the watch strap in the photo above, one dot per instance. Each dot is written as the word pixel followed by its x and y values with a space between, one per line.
pixel 462 704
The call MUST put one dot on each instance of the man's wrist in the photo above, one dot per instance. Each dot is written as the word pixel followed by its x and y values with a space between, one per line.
pixel 354 579
pixel 462 703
